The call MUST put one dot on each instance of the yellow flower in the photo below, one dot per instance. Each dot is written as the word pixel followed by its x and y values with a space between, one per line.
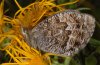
pixel 30 15
pixel 19 51
pixel 22 54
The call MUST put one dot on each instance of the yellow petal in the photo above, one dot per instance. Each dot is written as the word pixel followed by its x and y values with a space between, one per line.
pixel 1 9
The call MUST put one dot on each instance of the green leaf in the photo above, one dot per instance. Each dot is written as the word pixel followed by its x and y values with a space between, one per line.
pixel 73 6
pixel 95 42
pixel 74 62
pixel 5 43
pixel 91 60
pixel 61 1
pixel 98 50
pixel 98 24
pixel 67 60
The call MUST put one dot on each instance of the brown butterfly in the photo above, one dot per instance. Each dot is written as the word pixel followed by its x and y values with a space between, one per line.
pixel 64 33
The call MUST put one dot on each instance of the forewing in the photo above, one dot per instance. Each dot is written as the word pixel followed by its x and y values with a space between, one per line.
pixel 64 33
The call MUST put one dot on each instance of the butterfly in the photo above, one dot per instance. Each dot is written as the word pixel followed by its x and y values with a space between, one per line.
pixel 64 33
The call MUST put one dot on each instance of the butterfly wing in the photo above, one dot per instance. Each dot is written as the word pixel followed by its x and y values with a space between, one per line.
pixel 64 33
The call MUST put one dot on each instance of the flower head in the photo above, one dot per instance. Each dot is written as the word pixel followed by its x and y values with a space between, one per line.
pixel 10 30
